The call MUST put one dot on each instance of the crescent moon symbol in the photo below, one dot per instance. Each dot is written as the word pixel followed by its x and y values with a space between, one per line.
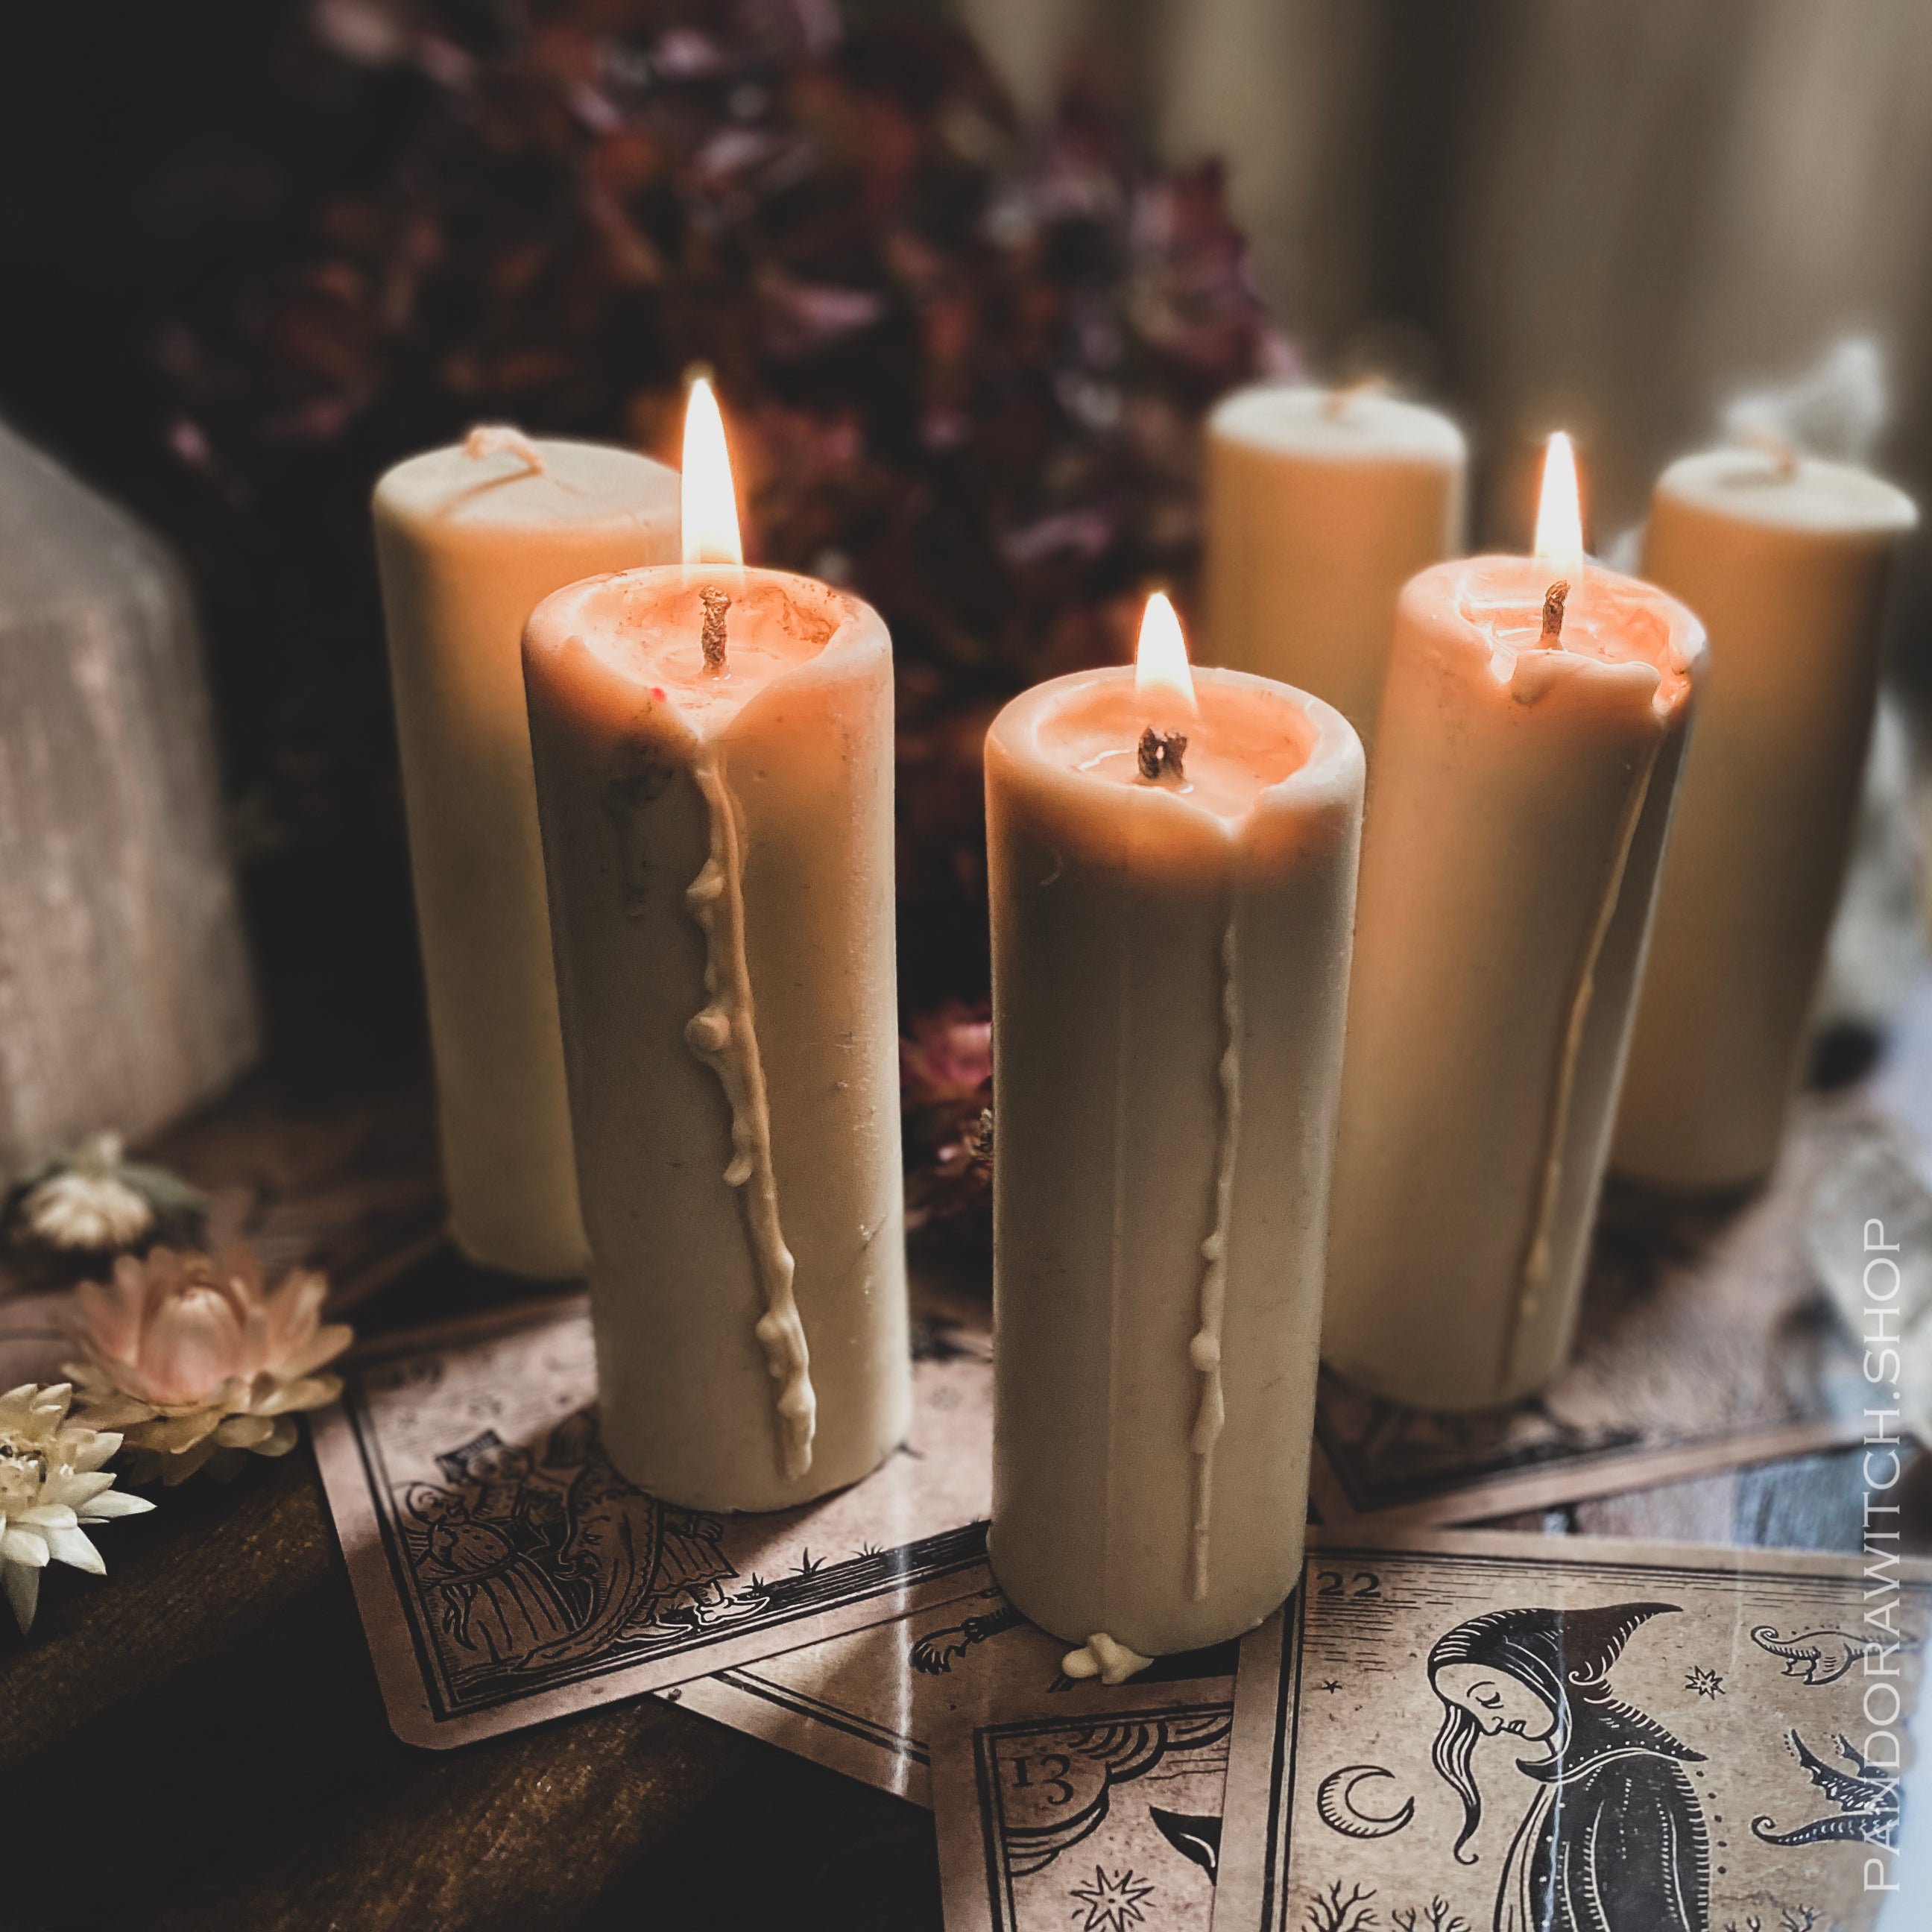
pixel 1335 1803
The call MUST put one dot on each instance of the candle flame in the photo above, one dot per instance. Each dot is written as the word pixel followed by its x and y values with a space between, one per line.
pixel 1160 663
pixel 709 504
pixel 1559 514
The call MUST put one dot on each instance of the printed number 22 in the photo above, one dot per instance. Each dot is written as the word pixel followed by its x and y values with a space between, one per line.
pixel 1334 1584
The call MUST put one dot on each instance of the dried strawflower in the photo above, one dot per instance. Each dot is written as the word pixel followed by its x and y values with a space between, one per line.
pixel 51 1483
pixel 189 1355
pixel 92 1200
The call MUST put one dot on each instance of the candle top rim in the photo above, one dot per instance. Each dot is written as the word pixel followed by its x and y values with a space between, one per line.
pixel 1651 627
pixel 824 630
pixel 1814 495
pixel 581 483
pixel 1331 760
pixel 1294 419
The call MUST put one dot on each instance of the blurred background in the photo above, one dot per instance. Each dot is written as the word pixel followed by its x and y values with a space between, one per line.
pixel 967 277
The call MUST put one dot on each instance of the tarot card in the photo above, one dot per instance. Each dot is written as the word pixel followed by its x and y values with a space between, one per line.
pixel 867 1703
pixel 1102 1815
pixel 506 1574
pixel 1707 1343
pixel 1453 1733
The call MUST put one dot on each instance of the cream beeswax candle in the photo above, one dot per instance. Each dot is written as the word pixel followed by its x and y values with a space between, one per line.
pixel 1532 730
pixel 470 539
pixel 1787 559
pixel 1172 875
pixel 714 764
pixel 1321 505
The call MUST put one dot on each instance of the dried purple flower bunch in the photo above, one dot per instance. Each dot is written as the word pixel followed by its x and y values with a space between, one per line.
pixel 965 369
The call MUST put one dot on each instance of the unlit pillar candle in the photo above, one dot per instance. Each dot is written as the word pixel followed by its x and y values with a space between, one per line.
pixel 1321 504
pixel 1786 561
pixel 470 539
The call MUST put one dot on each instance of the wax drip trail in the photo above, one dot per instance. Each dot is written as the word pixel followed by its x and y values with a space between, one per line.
pixel 723 1035
pixel 1204 1351
pixel 1533 1276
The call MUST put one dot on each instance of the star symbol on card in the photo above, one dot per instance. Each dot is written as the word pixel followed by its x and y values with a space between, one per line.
pixel 1113 1900
pixel 1705 1683
pixel 1330 1684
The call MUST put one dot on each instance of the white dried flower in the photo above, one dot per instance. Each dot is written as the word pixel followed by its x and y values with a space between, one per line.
pixel 85 1204
pixel 51 1483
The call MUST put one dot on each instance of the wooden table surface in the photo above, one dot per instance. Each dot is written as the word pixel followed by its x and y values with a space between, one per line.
pixel 197 1742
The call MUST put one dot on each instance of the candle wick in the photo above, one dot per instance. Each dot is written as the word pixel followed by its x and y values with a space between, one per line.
pixel 1783 456
pixel 502 439
pixel 1553 601
pixel 1161 753
pixel 711 639
pixel 1337 400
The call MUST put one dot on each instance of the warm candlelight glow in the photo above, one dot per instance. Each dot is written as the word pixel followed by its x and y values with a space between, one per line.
pixel 710 505
pixel 1160 662
pixel 1559 515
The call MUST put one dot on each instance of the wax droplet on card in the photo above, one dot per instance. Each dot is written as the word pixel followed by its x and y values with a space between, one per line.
pixel 1101 1657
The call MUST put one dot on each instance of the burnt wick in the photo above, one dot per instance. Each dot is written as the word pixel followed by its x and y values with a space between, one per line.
pixel 1554 599
pixel 1161 753
pixel 711 639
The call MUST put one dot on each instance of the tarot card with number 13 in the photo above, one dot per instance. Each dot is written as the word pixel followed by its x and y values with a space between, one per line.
pixel 1101 1813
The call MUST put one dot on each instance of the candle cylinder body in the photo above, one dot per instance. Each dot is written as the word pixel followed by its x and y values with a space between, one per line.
pixel 719 852
pixel 1168 975
pixel 468 546
pixel 1516 825
pixel 1788 567
pixel 1321 505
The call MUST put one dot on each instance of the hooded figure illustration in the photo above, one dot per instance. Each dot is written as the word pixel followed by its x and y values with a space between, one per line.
pixel 1613 1840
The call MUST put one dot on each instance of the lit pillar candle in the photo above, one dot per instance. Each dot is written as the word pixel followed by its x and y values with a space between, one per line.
pixel 1172 877
pixel 1786 562
pixel 1321 505
pixel 470 539
pixel 714 764
pixel 1532 729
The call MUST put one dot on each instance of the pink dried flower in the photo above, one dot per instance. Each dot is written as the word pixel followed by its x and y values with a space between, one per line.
pixel 949 1057
pixel 946 1081
pixel 190 1356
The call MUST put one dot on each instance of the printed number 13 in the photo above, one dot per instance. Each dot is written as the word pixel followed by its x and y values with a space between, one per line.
pixel 1052 1766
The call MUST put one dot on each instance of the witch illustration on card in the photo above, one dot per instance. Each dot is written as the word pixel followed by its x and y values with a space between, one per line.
pixel 1612 1839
